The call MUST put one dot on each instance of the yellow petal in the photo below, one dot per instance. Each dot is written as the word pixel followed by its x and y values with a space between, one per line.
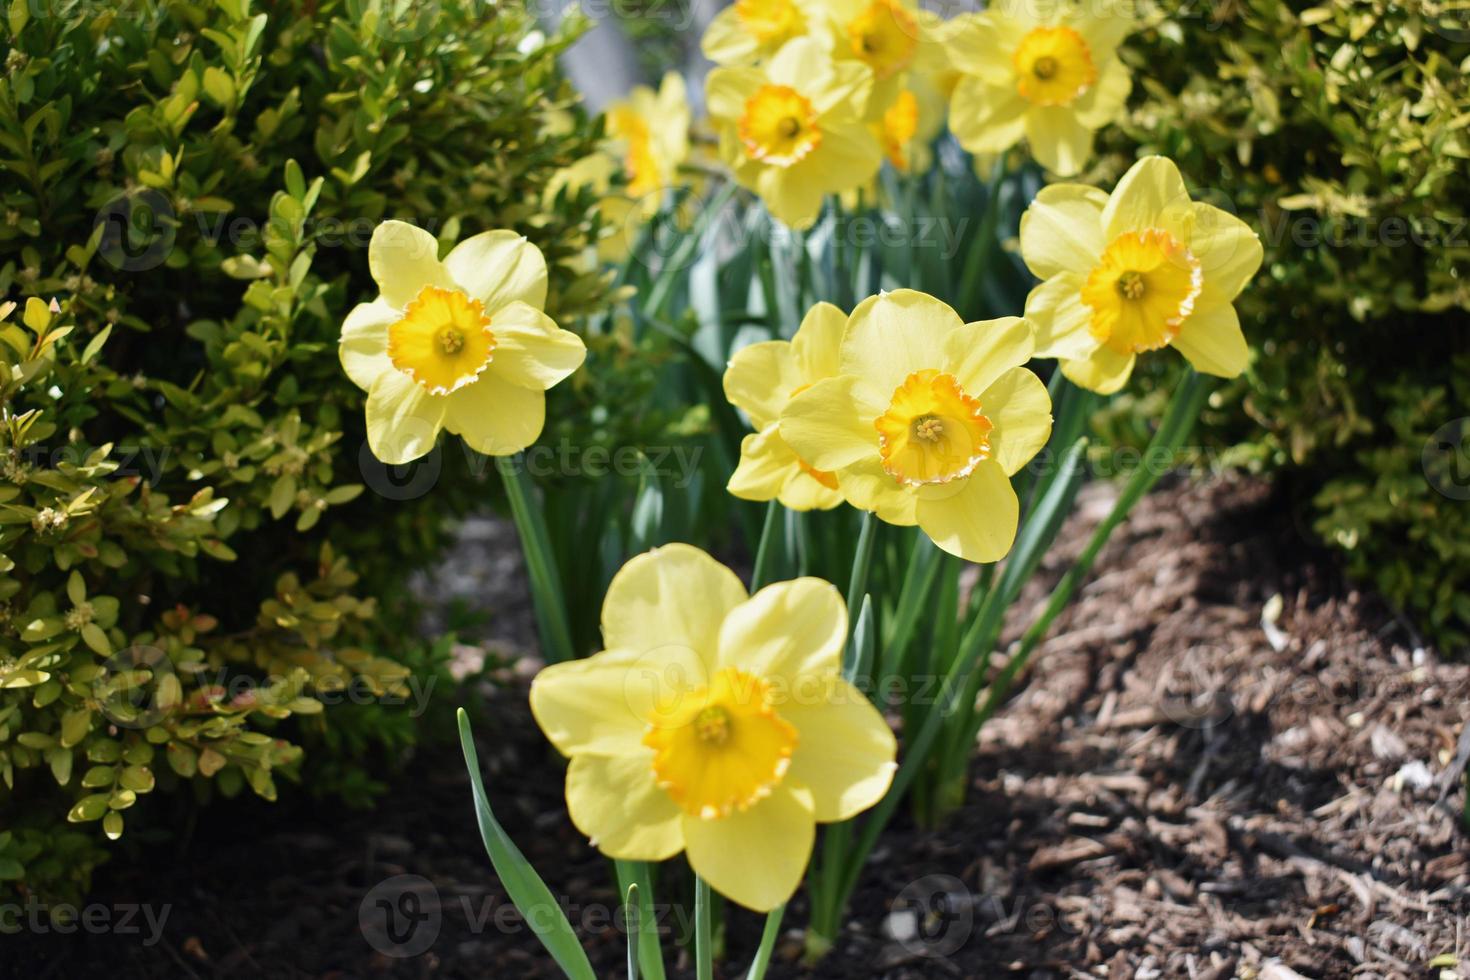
pixel 403 259
pixel 787 632
pixel 892 335
pixel 793 194
pixel 805 492
pixel 755 857
pixel 670 598
pixel 1059 141
pixel 979 44
pixel 531 350
pixel 846 753
pixel 760 380
pixel 987 118
pixel 830 425
pixel 1061 318
pixel 1103 103
pixel 1150 195
pixel 601 705
pixel 498 268
pixel 1061 231
pixel 496 417
pixel 975 520
pixel 726 91
pixel 978 353
pixel 1228 251
pixel 818 341
pixel 765 465
pixel 1020 407
pixel 1103 371
pixel 363 349
pixel 867 486
pixel 1104 24
pixel 848 156
pixel 403 420
pixel 727 42
pixel 617 803
pixel 1212 341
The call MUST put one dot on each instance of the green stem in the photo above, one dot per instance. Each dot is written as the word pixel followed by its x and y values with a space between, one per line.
pixel 662 289
pixel 769 935
pixel 1179 420
pixel 546 589
pixel 761 574
pixel 704 948
pixel 650 949
pixel 857 582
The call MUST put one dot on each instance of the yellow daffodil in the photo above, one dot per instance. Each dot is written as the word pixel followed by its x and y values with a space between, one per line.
pixel 715 723
pixel 791 131
pixel 891 38
pixel 1043 70
pixel 460 344
pixel 750 31
pixel 1143 268
pixel 907 128
pixel 760 380
pixel 927 420
pixel 649 131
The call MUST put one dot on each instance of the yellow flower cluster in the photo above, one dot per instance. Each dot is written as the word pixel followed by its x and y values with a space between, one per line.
pixel 812 95
pixel 902 409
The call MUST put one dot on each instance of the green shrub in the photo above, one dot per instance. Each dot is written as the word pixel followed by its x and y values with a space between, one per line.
pixel 1340 133
pixel 188 558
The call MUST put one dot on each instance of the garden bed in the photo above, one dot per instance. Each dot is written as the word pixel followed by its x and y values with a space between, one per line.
pixel 1196 780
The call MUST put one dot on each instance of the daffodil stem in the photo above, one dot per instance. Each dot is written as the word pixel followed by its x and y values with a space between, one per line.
pixel 1178 422
pixel 761 574
pixel 650 951
pixel 769 935
pixel 662 288
pixel 857 582
pixel 704 943
pixel 983 245
pixel 546 592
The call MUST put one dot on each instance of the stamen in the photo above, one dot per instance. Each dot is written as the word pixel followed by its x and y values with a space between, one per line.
pixel 1044 67
pixel 451 341
pixel 1130 285
pixel 928 428
pixel 789 127
pixel 712 725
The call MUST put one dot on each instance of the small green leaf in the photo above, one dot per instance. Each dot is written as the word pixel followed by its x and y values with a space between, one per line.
pixel 88 809
pixel 526 889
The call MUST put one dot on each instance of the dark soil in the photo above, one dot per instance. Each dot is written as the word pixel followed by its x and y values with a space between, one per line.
pixel 1224 763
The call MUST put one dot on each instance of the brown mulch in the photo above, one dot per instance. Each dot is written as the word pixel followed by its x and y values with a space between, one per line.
pixel 1225 762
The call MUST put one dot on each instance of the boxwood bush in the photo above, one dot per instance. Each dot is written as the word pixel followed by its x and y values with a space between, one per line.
pixel 191 531
pixel 1340 132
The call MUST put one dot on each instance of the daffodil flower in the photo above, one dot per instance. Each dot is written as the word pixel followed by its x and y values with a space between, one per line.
pixel 750 31
pixel 1143 268
pixel 760 380
pixel 907 128
pixel 460 344
pixel 791 131
pixel 927 421
pixel 893 39
pixel 715 723
pixel 650 131
pixel 1042 70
